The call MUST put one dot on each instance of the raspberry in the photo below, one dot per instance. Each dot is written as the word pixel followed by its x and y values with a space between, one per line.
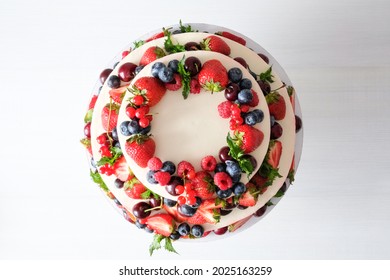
pixel 223 180
pixel 224 109
pixel 208 163
pixel 155 164
pixel 175 84
pixel 194 86
pixel 162 178
pixel 184 168
pixel 255 99
pixel 245 108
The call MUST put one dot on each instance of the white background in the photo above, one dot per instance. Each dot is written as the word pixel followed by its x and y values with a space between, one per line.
pixel 336 54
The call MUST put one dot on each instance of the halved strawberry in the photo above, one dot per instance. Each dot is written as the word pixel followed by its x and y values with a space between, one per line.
pixel 233 37
pixel 203 185
pixel 151 88
pixel 233 227
pixel 274 153
pixel 213 76
pixel 175 214
pixel 207 212
pixel 151 54
pixel 249 198
pixel 215 44
pixel 117 94
pixel 109 116
pixel 140 148
pixel 276 105
pixel 122 170
pixel 135 189
pixel 163 224
pixel 155 36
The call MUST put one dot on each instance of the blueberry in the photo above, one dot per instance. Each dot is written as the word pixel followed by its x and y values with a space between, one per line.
pixel 114 81
pixel 241 207
pixel 197 203
pixel 124 128
pixel 157 68
pixel 119 183
pixel 239 188
pixel 165 75
pixel 233 168
pixel 139 225
pixel 224 194
pixel 134 127
pixel 150 177
pixel 183 229
pixel 175 235
pixel 145 130
pixel 260 115
pixel 114 134
pixel 245 84
pixel 245 96
pixel 197 231
pixel 235 74
pixel 251 119
pixel 169 166
pixel 236 178
pixel 169 202
pixel 174 65
pixel 116 144
pixel 149 230
pixel 138 69
pixel 220 167
pixel 186 210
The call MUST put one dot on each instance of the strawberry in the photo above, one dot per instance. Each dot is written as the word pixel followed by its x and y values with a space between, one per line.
pixel 151 88
pixel 92 102
pixel 135 190
pixel 117 94
pixel 155 36
pixel 233 227
pixel 276 105
pixel 151 54
pixel 207 213
pixel 233 37
pixel 213 76
pixel 215 44
pixel 110 116
pixel 255 100
pixel 203 186
pixel 163 224
pixel 249 198
pixel 140 148
pixel 248 138
pixel 122 170
pixel 259 181
pixel 174 213
pixel 274 153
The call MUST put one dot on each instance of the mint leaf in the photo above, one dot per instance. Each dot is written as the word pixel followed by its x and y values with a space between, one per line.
pixel 267 76
pixel 238 154
pixel 185 76
pixel 156 244
pixel 169 46
pixel 116 153
pixel 96 178
pixel 291 176
pixel 269 203
pixel 185 28
pixel 138 44
pixel 280 193
pixel 168 245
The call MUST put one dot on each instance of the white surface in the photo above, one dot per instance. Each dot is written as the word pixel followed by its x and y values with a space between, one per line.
pixel 336 54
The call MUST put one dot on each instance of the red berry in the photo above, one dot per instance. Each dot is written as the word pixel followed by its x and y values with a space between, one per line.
pixel 236 111
pixel 191 174
pixel 191 200
pixel 245 108
pixel 179 189
pixel 101 139
pixel 176 84
pixel 224 109
pixel 181 200
pixel 155 164
pixel 184 168
pixel 105 151
pixel 144 122
pixel 209 163
pixel 130 112
pixel 162 178
pixel 223 180
pixel 138 100
pixel 190 193
pixel 125 53
pixel 232 124
pixel 87 130
pixel 141 111
pixel 194 86
pixel 187 186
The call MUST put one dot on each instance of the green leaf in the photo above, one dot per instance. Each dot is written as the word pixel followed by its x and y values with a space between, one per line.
pixel 156 244
pixel 88 116
pixel 216 216
pixel 96 178
pixel 168 245
pixel 169 46
pixel 116 153
pixel 290 90
pixel 267 171
pixel 220 201
pixel 280 193
pixel 185 28
pixel 291 176
pixel 138 44
pixel 267 76
pixel 86 142
pixel 269 203
pixel 186 78
pixel 146 194
pixel 237 153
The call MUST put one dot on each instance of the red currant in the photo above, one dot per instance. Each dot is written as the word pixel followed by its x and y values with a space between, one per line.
pixel 190 193
pixel 191 200
pixel 181 200
pixel 101 139
pixel 130 112
pixel 138 100
pixel 179 189
pixel 105 151
pixel 187 186
pixel 144 122
pixel 191 174
pixel 142 111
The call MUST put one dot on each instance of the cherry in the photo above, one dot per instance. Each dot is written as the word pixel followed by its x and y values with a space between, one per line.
pixel 276 131
pixel 221 230
pixel 241 61
pixel 87 130
pixel 264 57
pixel 125 53
pixel 298 123
pixel 260 212
pixel 171 187
pixel 231 91
pixel 154 202
pixel 265 87
pixel 192 46
pixel 224 154
pixel 127 71
pixel 130 112
pixel 193 65
pixel 144 122
pixel 104 75
pixel 139 210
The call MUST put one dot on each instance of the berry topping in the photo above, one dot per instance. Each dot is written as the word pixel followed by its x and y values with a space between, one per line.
pixel 184 168
pixel 203 185
pixel 208 163
pixel 135 190
pixel 169 167
pixel 175 84
pixel 183 229
pixel 193 65
pixel 162 177
pixel 163 224
pixel 276 105
pixel 126 71
pixel 104 75
pixel 213 76
pixel 151 88
pixel 140 148
pixel 197 231
pixel 195 86
pixel 276 131
pixel 215 44
pixel 245 84
pixel 274 153
pixel 235 75
pixel 223 180
pixel 233 37
pixel 114 81
pixel 140 210
pixel 245 96
pixel 155 164
pixel 224 109
pixel 151 54
pixel 109 116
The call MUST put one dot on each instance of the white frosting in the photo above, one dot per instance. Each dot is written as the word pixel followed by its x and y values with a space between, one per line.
pixel 258 66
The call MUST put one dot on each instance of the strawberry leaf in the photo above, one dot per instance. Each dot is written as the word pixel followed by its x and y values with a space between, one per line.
pixel 88 116
pixel 267 171
pixel 86 142
pixel 290 90
pixel 291 176
pixel 96 178
pixel 269 203
pixel 267 76
pixel 185 28
pixel 216 216
pixel 116 153
pixel 169 46
pixel 186 78
pixel 219 201
pixel 280 193
pixel 237 153
pixel 138 44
